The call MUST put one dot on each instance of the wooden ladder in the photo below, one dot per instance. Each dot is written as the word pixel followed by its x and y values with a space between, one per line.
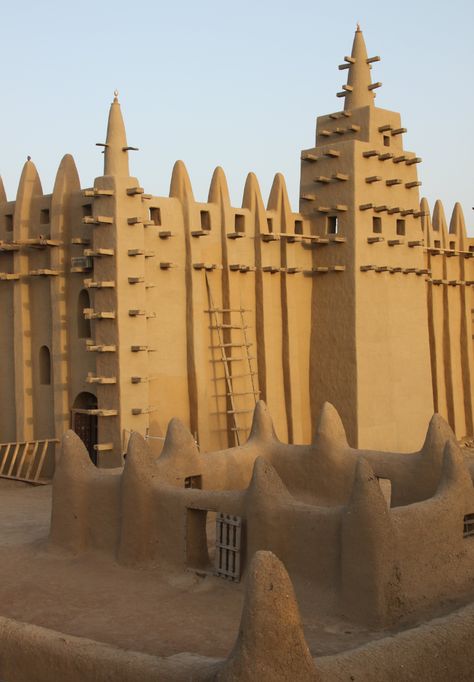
pixel 24 461
pixel 219 325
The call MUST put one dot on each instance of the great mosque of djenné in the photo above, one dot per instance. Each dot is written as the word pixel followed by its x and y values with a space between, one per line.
pixel 120 309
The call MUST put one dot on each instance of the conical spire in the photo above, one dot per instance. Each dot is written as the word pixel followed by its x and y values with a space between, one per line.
pixel 359 86
pixel 116 149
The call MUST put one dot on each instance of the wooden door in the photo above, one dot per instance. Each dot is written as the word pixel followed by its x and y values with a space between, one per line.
pixel 85 425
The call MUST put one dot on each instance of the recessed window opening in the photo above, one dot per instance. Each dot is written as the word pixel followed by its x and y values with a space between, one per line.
pixel 200 539
pixel 193 482
pixel 437 243
pixel 87 209
pixel 239 222
pixel 44 216
pixel 377 224
pixel 83 325
pixel 44 366
pixel 452 246
pixel 205 220
pixel 9 222
pixel 386 140
pixel 400 226
pixel 298 227
pixel 332 225
pixel 270 224
pixel 155 215
pixel 468 527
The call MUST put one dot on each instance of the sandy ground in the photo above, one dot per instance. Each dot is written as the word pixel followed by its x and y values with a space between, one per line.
pixel 143 610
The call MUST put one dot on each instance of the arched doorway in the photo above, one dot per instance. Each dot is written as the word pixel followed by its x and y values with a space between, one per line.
pixel 84 422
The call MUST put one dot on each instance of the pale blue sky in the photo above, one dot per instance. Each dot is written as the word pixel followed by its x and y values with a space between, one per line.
pixel 236 84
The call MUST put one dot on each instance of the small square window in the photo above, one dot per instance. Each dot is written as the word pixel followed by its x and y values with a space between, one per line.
pixel 468 528
pixel 193 482
pixel 386 140
pixel 44 216
pixel 205 220
pixel 155 215
pixel 87 209
pixel 9 222
pixel 400 226
pixel 452 246
pixel 239 222
pixel 332 225
pixel 377 224
pixel 298 227
pixel 437 244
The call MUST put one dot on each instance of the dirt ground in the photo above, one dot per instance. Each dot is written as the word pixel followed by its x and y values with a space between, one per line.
pixel 143 610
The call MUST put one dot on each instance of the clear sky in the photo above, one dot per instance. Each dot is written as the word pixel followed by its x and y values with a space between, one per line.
pixel 236 84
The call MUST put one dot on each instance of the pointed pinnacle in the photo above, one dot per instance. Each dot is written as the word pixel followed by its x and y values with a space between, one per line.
pixel 359 82
pixel 116 148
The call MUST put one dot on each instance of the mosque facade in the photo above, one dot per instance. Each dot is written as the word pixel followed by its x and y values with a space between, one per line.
pixel 120 309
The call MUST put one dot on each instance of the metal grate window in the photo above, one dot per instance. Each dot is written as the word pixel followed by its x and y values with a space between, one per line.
pixel 468 525
pixel 228 546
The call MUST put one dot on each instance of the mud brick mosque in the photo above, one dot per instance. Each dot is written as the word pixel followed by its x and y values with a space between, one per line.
pixel 291 363
pixel 120 309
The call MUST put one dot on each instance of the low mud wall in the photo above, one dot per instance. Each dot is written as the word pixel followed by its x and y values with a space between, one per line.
pixel 435 652
pixel 439 651
pixel 34 654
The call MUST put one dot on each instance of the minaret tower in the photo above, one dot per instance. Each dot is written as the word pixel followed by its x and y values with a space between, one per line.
pixel 359 188
pixel 118 295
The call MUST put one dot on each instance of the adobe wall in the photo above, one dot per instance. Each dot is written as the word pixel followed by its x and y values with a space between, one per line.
pixel 28 653
pixel 146 274
pixel 270 646
pixel 449 256
pixel 7 386
pixel 390 316
pixel 40 307
pixel 437 651
pixel 370 352
pixel 237 262
pixel 293 500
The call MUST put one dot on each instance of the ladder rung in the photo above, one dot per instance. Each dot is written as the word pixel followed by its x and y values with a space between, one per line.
pixel 238 376
pixel 227 310
pixel 228 326
pixel 226 358
pixel 231 345
pixel 223 395
pixel 248 393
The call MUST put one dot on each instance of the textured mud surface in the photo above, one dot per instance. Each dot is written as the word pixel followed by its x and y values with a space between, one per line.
pixel 145 610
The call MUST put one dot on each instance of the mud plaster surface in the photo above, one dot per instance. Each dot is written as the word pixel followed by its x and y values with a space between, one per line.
pixel 144 610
